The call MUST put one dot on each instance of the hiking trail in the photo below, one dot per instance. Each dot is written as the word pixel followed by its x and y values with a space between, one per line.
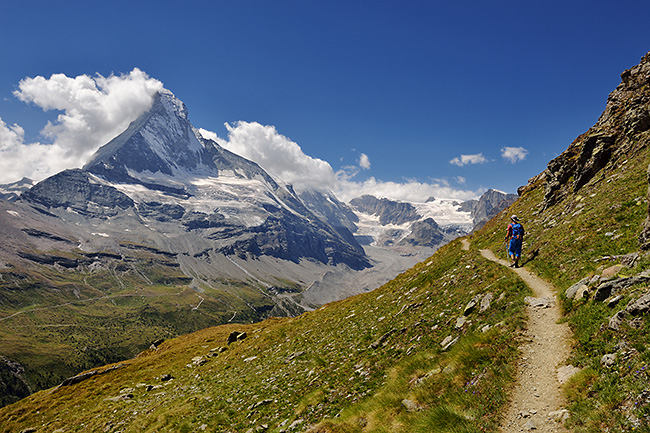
pixel 537 402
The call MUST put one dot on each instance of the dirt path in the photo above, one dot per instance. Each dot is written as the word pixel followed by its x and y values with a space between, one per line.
pixel 537 403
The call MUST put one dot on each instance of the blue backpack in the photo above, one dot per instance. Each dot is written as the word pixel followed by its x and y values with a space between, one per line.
pixel 517 231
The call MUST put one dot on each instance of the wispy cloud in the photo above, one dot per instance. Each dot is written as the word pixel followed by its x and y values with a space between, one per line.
pixel 468 159
pixel 514 154
pixel 364 161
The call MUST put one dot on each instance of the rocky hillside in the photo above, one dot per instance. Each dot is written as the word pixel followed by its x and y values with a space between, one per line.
pixel 436 348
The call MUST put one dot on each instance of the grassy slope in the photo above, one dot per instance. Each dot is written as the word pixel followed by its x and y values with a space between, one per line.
pixel 320 367
pixel 58 323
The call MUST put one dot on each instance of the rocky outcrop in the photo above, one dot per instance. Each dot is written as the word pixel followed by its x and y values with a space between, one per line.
pixel 79 191
pixel 388 211
pixel 13 383
pixel 424 233
pixel 626 117
pixel 487 206
pixel 638 307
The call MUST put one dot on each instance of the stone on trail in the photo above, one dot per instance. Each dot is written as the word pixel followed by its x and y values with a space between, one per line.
pixel 539 302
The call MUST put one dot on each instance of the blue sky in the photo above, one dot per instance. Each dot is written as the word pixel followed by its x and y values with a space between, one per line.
pixel 388 93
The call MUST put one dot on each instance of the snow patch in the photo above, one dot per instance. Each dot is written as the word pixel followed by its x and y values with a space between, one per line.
pixel 445 212
pixel 13 213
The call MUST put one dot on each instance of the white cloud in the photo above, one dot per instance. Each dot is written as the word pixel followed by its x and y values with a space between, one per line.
pixel 514 154
pixel 93 111
pixel 468 159
pixel 285 160
pixel 460 180
pixel 278 155
pixel 410 190
pixel 364 162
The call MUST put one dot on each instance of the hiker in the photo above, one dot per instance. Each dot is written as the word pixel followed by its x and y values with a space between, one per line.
pixel 515 235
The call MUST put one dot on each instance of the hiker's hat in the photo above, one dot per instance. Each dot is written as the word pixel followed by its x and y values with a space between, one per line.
pixel 514 218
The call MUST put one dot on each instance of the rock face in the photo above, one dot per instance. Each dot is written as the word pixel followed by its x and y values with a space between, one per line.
pixel 81 192
pixel 388 211
pixel 626 115
pixel 330 209
pixel 12 191
pixel 424 233
pixel 487 206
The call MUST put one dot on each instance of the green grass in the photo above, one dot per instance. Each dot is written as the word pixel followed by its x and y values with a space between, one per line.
pixel 344 367
pixel 58 323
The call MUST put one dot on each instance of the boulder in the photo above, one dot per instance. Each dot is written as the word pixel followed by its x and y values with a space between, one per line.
pixel 582 293
pixel 485 302
pixel 571 291
pixel 614 301
pixel 471 305
pixel 539 302
pixel 616 320
pixel 636 308
pixel 613 287
pixel 199 360
pixel 236 336
pixel 448 342
pixel 640 306
pixel 608 360
pixel 611 271
pixel 410 405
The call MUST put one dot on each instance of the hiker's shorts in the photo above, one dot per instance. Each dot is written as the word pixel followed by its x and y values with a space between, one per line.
pixel 515 247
